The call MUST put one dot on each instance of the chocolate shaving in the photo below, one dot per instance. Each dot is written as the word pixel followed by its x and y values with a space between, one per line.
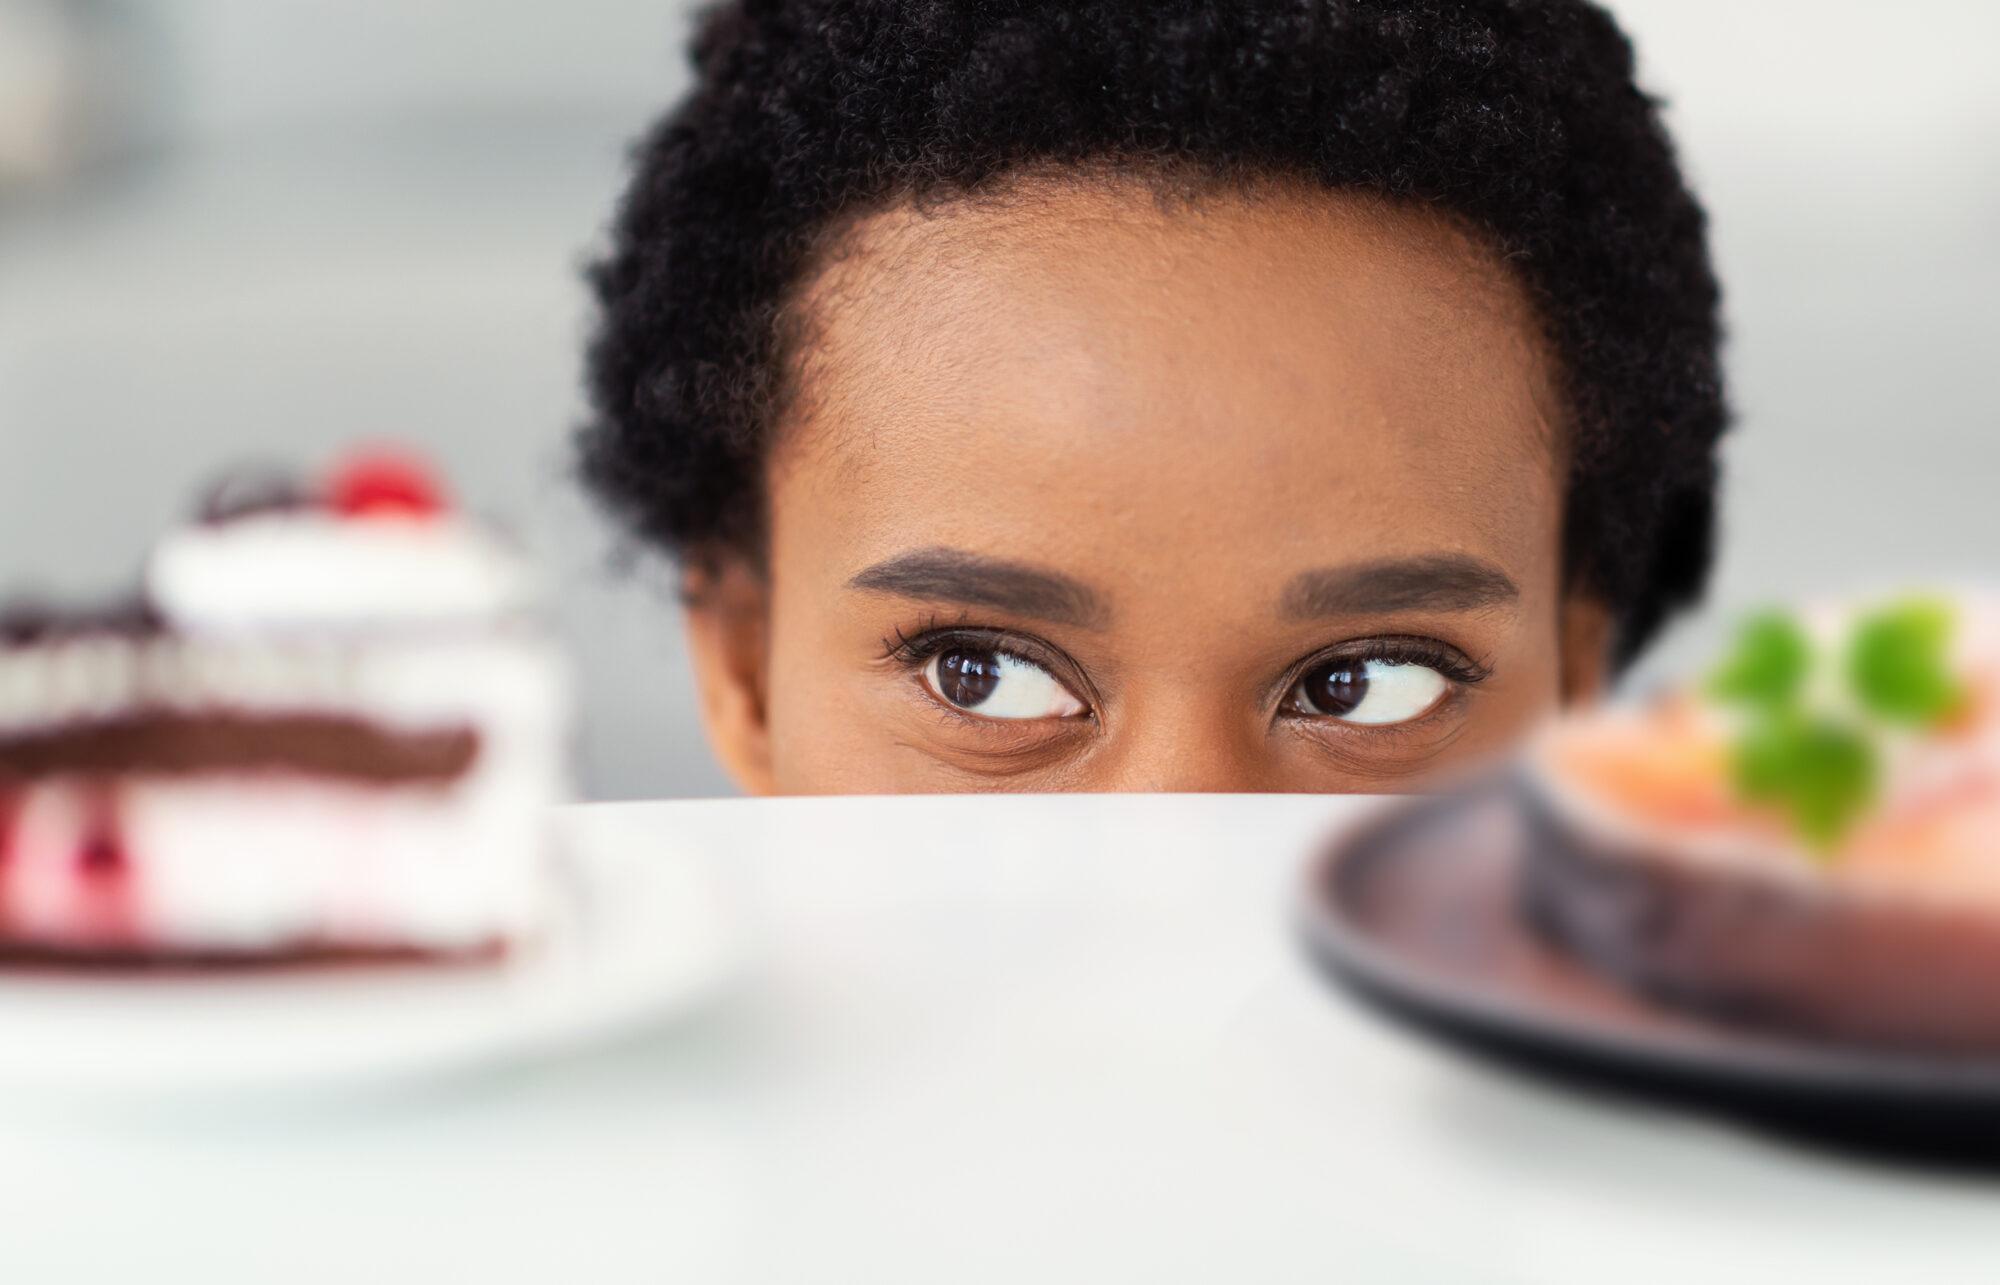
pixel 250 492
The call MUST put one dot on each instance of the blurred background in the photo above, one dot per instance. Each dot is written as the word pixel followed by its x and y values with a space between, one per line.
pixel 241 229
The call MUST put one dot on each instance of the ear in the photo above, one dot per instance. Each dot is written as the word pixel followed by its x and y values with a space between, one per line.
pixel 1586 649
pixel 728 609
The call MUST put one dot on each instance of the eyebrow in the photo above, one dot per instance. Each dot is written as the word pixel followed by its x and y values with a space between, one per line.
pixel 1438 582
pixel 975 580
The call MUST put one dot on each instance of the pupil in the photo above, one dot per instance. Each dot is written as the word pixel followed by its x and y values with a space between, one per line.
pixel 968 677
pixel 1336 689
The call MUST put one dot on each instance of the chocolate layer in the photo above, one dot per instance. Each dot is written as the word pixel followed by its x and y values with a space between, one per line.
pixel 164 743
pixel 1742 946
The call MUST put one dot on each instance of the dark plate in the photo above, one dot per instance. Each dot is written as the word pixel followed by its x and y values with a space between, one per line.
pixel 1416 914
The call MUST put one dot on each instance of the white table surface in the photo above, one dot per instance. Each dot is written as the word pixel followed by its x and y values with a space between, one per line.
pixel 985 1040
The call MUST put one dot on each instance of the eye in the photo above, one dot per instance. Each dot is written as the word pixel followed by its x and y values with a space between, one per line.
pixel 1370 692
pixel 997 684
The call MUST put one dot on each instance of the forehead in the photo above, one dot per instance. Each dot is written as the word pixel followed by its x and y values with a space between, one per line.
pixel 1083 370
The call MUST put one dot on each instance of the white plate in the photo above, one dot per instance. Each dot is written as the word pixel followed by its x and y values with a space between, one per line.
pixel 642 934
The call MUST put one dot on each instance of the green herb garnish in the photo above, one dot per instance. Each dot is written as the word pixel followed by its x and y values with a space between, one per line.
pixel 1822 766
pixel 1822 772
pixel 1898 663
pixel 1769 666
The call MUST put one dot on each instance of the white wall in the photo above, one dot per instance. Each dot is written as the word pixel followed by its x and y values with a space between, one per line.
pixel 258 66
pixel 1849 155
pixel 371 221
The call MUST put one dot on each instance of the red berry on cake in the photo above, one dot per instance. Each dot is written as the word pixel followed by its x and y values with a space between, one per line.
pixel 313 735
pixel 386 483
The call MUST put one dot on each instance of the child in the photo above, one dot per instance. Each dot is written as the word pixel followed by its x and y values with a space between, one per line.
pixel 1183 395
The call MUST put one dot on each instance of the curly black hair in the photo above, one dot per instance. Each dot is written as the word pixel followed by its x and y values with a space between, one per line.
pixel 1520 118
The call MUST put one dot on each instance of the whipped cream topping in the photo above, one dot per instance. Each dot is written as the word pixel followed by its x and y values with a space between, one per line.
pixel 322 570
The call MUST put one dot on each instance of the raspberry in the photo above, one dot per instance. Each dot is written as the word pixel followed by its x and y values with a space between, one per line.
pixel 383 483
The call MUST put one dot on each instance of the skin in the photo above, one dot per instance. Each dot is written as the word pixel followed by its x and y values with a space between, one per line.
pixel 1167 453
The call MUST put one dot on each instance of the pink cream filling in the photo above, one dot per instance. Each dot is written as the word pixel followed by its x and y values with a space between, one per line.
pixel 257 863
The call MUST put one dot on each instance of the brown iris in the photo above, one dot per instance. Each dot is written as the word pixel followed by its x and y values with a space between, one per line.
pixel 1336 689
pixel 966 677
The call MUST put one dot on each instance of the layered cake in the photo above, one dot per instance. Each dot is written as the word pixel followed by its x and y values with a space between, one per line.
pixel 1808 843
pixel 328 724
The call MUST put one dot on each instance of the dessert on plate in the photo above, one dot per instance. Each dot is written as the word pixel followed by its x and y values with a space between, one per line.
pixel 329 724
pixel 1808 843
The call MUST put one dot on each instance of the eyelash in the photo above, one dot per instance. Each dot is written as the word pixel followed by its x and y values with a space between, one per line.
pixel 914 650
pixel 1398 649
pixel 930 637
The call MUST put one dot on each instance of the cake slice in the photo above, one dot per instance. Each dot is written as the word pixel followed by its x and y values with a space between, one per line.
pixel 1808 845
pixel 329 725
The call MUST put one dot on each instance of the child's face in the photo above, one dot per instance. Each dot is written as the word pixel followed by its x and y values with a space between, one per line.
pixel 1078 492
